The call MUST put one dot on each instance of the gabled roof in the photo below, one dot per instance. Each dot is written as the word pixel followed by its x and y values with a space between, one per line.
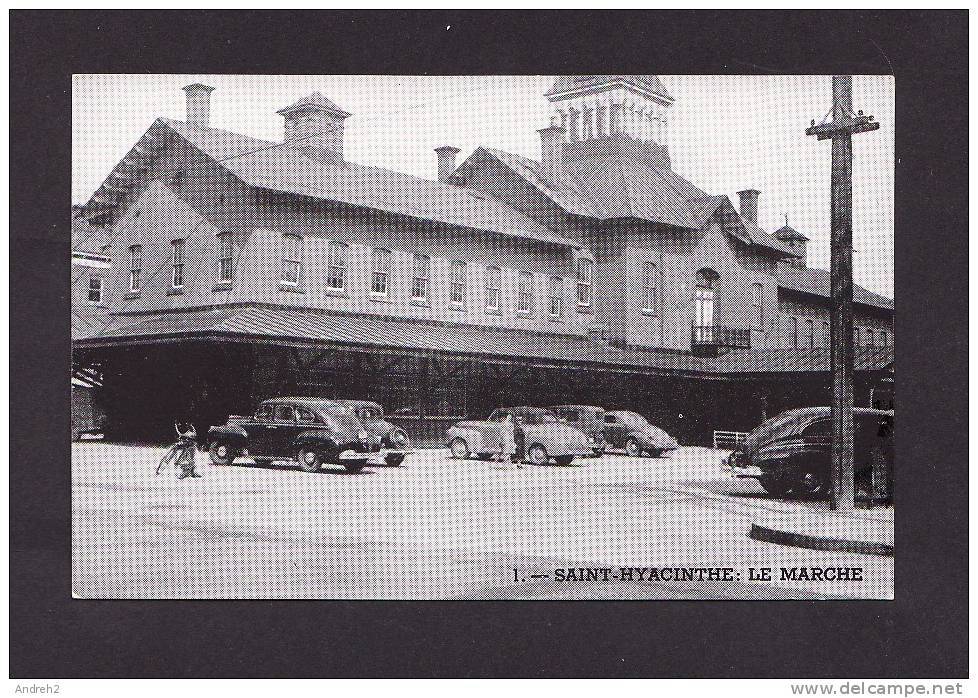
pixel 298 170
pixel 618 185
pixel 86 237
pixel 567 83
pixel 759 236
pixel 818 282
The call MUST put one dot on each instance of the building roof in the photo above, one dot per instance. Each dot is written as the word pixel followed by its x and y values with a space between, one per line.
pixel 617 184
pixel 818 282
pixel 567 83
pixel 298 170
pixel 371 332
pixel 786 232
pixel 617 187
pixel 88 321
pixel 86 237
pixel 316 100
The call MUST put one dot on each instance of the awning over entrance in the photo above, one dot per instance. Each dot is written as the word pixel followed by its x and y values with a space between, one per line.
pixel 304 327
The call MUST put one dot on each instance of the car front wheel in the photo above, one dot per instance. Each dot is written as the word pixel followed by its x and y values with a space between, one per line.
pixel 537 455
pixel 632 448
pixel 460 449
pixel 811 482
pixel 221 453
pixel 775 485
pixel 394 459
pixel 309 460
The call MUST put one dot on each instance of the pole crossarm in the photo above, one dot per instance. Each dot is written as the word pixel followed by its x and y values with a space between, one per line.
pixel 846 126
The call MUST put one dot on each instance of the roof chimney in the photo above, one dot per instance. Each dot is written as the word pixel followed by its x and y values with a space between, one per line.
pixel 198 104
pixel 446 161
pixel 552 150
pixel 748 205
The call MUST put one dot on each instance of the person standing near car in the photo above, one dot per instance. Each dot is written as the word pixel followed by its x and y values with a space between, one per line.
pixel 507 440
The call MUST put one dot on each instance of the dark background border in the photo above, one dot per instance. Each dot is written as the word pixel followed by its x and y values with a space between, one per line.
pixel 923 633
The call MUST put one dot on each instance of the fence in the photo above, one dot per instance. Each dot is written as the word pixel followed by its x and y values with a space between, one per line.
pixel 728 440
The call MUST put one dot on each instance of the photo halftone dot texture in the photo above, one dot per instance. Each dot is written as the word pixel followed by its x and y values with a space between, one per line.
pixel 322 270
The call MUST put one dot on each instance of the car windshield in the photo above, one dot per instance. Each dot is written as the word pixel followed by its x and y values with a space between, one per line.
pixel 636 420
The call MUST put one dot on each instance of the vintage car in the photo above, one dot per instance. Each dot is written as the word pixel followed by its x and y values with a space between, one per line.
pixel 632 432
pixel 546 437
pixel 790 454
pixel 587 418
pixel 312 431
pixel 393 439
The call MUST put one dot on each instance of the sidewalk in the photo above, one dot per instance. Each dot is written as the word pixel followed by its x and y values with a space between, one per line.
pixel 863 531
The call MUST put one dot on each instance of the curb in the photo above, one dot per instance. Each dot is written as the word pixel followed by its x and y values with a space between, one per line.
pixel 803 540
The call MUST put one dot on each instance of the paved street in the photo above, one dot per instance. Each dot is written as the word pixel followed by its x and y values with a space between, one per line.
pixel 433 528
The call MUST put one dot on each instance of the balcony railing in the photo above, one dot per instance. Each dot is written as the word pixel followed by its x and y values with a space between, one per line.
pixel 719 336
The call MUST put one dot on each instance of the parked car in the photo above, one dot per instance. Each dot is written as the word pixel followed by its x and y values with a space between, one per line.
pixel 632 432
pixel 312 431
pixel 791 454
pixel 546 437
pixel 587 418
pixel 393 439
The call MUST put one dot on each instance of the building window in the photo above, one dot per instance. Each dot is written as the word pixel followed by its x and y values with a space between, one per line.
pixel 336 269
pixel 291 258
pixel 456 293
pixel 869 339
pixel 94 289
pixel 706 298
pixel 585 275
pixel 494 277
pixel 421 274
pixel 524 303
pixel 857 339
pixel 135 267
pixel 757 306
pixel 556 296
pixel 176 259
pixel 380 272
pixel 826 333
pixel 793 331
pixel 225 258
pixel 810 333
pixel 648 287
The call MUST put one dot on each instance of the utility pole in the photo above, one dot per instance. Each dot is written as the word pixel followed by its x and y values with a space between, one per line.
pixel 840 129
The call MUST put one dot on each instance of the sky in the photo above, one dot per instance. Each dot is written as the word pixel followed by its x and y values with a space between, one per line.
pixel 727 133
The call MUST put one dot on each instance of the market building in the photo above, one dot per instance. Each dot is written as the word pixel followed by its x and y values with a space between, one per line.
pixel 244 269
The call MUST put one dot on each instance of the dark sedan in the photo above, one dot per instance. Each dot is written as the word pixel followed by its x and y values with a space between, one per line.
pixel 311 431
pixel 790 454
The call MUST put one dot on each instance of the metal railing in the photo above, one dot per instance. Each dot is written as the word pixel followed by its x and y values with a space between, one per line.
pixel 728 440
pixel 720 336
